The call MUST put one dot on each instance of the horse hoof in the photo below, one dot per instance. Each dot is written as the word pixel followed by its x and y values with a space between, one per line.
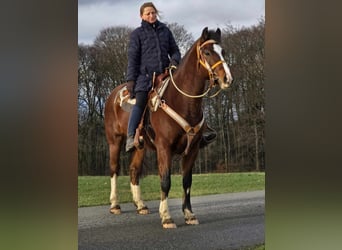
pixel 143 211
pixel 169 225
pixel 192 221
pixel 115 210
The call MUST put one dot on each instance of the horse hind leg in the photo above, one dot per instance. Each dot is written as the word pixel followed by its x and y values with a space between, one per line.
pixel 135 172
pixel 114 156
pixel 189 216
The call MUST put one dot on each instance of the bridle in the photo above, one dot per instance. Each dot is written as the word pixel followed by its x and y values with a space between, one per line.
pixel 202 61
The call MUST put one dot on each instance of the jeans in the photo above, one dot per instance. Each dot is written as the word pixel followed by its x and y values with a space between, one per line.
pixel 137 111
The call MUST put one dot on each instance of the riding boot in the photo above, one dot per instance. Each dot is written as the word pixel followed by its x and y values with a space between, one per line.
pixel 208 136
pixel 135 117
pixel 133 123
pixel 130 143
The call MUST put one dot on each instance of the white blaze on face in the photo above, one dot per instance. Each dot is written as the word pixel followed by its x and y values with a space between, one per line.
pixel 218 50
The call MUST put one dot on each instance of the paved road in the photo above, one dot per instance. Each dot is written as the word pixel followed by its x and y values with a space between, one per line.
pixel 227 221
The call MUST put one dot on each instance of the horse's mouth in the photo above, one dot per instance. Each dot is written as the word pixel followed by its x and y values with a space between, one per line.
pixel 224 83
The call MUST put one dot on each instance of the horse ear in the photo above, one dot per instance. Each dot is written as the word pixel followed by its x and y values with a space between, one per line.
pixel 218 33
pixel 205 34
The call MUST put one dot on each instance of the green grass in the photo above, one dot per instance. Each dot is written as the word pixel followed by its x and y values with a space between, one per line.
pixel 261 247
pixel 257 247
pixel 94 190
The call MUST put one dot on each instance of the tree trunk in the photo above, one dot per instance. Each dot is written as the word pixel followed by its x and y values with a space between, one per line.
pixel 257 164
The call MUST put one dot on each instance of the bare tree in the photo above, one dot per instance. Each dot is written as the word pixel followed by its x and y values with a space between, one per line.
pixel 90 158
pixel 245 49
pixel 183 39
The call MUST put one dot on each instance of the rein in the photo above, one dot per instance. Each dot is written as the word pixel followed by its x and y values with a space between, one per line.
pixel 182 92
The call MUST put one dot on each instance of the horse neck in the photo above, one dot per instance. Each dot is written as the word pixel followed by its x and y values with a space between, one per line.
pixel 191 78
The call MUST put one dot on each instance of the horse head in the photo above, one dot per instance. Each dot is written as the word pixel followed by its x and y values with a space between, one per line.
pixel 211 55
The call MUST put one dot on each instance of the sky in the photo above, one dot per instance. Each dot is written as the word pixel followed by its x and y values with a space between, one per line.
pixel 194 15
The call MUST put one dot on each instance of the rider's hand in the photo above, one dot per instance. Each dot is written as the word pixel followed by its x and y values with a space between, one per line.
pixel 173 63
pixel 130 87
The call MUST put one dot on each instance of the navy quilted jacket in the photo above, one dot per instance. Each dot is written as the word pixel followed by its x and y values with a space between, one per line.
pixel 150 49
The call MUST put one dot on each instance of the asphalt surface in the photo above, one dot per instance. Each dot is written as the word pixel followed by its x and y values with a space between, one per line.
pixel 227 221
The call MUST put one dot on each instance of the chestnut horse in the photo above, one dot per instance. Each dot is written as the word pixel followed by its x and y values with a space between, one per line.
pixel 177 125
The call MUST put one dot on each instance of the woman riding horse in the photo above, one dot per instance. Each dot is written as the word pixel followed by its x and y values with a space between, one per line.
pixel 178 120
pixel 177 123
pixel 149 50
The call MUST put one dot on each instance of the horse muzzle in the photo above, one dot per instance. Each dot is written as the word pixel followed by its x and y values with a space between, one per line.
pixel 224 82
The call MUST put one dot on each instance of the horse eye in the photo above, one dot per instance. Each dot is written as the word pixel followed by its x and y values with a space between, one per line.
pixel 206 52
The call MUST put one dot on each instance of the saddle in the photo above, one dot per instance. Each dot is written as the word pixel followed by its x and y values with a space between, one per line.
pixel 159 86
pixel 124 100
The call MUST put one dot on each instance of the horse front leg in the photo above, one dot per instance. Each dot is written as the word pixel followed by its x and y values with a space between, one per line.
pixel 114 162
pixel 164 165
pixel 135 172
pixel 187 165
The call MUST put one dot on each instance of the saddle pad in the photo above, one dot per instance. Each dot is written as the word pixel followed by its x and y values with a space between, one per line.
pixel 123 97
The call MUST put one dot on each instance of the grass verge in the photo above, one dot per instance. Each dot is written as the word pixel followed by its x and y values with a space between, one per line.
pixel 95 190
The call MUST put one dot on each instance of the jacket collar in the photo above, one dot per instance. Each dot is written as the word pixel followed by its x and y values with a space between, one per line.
pixel 147 25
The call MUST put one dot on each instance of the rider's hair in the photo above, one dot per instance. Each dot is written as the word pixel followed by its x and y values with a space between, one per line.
pixel 148 4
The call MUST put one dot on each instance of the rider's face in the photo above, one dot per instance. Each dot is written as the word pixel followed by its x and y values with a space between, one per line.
pixel 149 15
